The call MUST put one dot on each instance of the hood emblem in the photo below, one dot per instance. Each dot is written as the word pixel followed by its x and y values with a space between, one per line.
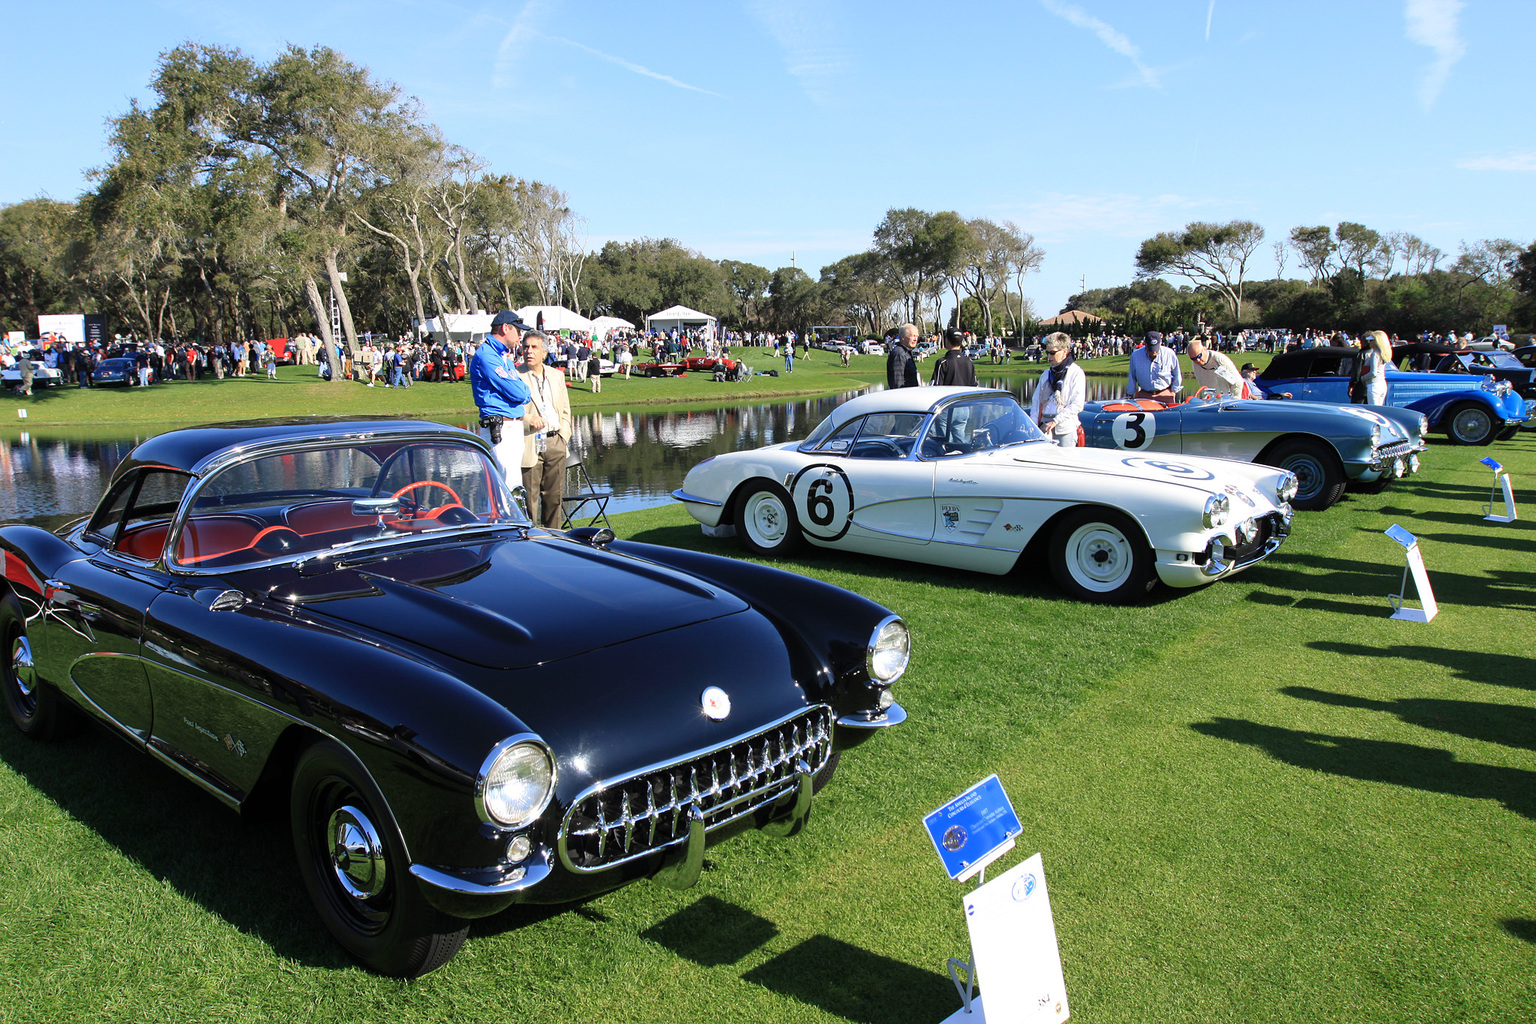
pixel 716 703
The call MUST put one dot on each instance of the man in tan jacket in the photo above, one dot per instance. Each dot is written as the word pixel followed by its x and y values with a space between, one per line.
pixel 544 451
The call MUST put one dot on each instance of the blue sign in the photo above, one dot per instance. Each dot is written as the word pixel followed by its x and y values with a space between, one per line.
pixel 972 825
pixel 1491 464
pixel 1401 535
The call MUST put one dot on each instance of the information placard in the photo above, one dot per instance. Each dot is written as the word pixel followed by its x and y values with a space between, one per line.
pixel 974 828
pixel 1013 945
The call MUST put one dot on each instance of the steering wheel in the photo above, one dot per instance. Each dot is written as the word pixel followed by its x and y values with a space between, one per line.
pixel 428 483
pixel 1206 394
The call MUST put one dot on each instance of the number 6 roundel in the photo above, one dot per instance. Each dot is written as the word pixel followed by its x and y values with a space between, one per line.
pixel 823 499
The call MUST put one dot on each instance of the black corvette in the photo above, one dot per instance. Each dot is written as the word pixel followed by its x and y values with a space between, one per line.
pixel 462 711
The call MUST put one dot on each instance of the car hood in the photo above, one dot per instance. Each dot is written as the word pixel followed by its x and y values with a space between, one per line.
pixel 1192 472
pixel 507 602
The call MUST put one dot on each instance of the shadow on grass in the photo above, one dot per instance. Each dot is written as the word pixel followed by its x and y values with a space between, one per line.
pixel 1510 670
pixel 1521 928
pixel 1507 724
pixel 855 984
pixel 711 932
pixel 1471 519
pixel 1399 764
pixel 1483 540
pixel 1501 588
pixel 242 871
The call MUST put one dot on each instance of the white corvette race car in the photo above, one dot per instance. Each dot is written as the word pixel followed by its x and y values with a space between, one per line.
pixel 961 477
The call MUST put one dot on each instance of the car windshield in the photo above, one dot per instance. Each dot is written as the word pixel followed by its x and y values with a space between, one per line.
pixel 301 501
pixel 979 425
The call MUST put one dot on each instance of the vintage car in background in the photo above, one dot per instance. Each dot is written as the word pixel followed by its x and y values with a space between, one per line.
pixel 460 710
pixel 1468 409
pixel 121 370
pixel 1327 446
pixel 1500 365
pixel 1526 354
pixel 651 368
pixel 43 375
pixel 961 477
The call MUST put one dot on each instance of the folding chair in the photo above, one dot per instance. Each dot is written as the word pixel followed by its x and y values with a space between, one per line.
pixel 579 493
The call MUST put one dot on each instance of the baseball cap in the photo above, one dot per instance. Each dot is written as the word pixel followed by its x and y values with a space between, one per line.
pixel 1153 338
pixel 506 316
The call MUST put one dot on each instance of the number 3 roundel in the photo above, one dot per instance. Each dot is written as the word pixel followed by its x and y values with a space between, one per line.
pixel 1134 430
pixel 823 500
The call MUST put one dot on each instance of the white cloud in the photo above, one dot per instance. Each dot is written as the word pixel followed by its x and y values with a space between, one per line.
pixel 1210 12
pixel 1108 35
pixel 519 43
pixel 1432 23
pixel 802 28
pixel 1058 215
pixel 1510 160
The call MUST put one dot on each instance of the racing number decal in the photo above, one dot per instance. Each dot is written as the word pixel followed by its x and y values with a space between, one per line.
pixel 823 496
pixel 1134 430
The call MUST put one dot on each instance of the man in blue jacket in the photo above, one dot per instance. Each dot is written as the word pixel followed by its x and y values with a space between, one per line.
pixel 502 395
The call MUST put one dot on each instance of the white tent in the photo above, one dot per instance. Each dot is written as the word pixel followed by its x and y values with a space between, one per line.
pixel 603 324
pixel 460 326
pixel 680 317
pixel 556 318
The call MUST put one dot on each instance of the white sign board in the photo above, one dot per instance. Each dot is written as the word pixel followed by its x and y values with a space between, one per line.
pixel 70 325
pixel 1415 567
pixel 1500 477
pixel 1013 946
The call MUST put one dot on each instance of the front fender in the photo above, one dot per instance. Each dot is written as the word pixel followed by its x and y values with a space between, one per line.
pixel 832 624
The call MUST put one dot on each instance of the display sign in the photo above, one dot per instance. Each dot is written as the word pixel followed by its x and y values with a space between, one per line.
pixel 1428 608
pixel 973 829
pixel 1013 945
pixel 1500 479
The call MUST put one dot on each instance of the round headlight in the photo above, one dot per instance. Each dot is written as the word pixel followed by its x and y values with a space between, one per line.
pixel 515 782
pixel 1217 506
pixel 1288 486
pixel 1423 426
pixel 890 647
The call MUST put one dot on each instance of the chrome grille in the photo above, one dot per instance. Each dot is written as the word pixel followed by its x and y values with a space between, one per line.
pixel 1392 451
pixel 618 820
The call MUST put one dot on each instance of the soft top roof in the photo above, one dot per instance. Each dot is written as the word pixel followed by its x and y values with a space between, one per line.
pixel 192 448
pixel 1288 365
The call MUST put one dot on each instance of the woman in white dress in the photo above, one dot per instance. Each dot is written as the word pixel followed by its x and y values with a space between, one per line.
pixel 1375 357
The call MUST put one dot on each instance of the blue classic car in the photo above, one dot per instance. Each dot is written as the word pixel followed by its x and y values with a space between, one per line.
pixel 1468 409
pixel 460 711
pixel 1327 446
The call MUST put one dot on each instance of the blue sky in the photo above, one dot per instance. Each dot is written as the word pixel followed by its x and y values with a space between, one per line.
pixel 754 129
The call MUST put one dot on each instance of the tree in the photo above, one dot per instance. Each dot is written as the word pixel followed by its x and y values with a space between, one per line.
pixel 1361 249
pixel 917 248
pixel 857 288
pixel 795 302
pixel 1316 248
pixel 1214 255
pixel 35 237
pixel 748 284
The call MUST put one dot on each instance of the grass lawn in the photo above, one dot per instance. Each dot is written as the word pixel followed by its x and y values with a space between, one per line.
pixel 297 392
pixel 1259 801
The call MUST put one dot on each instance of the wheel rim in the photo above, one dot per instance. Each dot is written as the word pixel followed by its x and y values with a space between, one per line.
pixel 1099 557
pixel 350 856
pixel 766 520
pixel 24 675
pixel 1472 424
pixel 1310 476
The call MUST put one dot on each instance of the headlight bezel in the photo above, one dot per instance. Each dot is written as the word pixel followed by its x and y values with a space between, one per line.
pixel 485 798
pixel 1218 507
pixel 1289 485
pixel 874 649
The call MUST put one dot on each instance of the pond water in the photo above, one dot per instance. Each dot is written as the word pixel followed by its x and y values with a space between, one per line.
pixel 640 456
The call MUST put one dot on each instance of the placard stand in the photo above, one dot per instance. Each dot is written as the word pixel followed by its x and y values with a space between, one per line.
pixel 1415 565
pixel 1500 478
pixel 970 832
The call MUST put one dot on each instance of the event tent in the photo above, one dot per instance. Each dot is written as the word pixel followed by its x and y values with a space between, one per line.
pixel 459 326
pixel 556 318
pixel 680 317
pixel 603 324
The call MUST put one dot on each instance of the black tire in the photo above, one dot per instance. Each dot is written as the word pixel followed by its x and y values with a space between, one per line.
pixel 1508 432
pixel 367 901
pixel 766 523
pixel 36 708
pixel 1469 423
pixel 1101 556
pixel 1320 479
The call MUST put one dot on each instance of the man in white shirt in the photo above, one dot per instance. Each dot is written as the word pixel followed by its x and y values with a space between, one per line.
pixel 1214 370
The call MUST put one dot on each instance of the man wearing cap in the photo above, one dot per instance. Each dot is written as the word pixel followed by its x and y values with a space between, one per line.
pixel 1154 371
pixel 1214 370
pixel 900 364
pixel 501 394
pixel 955 367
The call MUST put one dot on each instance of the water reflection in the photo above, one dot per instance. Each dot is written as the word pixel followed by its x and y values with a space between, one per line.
pixel 640 456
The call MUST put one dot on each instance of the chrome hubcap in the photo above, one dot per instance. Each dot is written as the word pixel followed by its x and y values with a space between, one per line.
pixel 357 853
pixel 22 667
pixel 1308 476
